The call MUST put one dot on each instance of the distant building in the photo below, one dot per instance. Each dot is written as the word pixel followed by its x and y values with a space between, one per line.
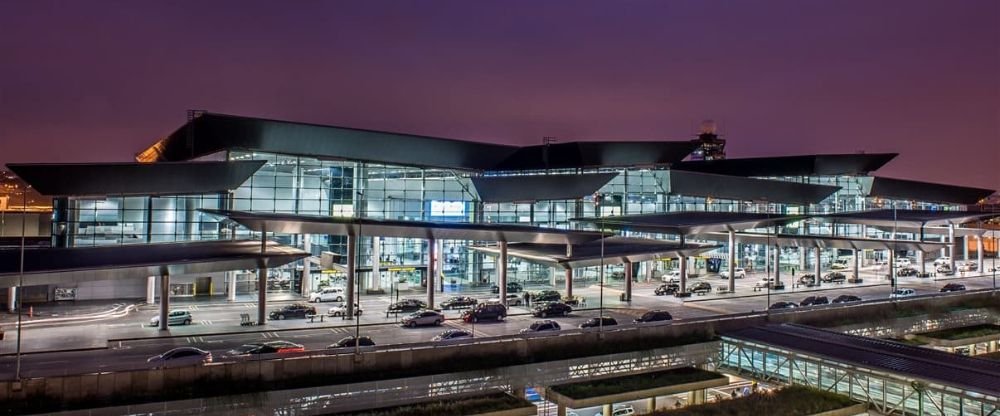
pixel 710 146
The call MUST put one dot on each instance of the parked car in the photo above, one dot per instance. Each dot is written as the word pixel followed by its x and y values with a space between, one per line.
pixel 330 294
pixel 512 300
pixel 846 299
pixel 541 326
pixel 551 309
pixel 179 357
pixel 667 289
pixel 350 341
pixel 852 278
pixel 295 310
pixel 968 267
pixel 407 305
pixel 673 276
pixel 626 410
pixel 485 311
pixel 452 334
pixel 175 317
pixel 654 316
pixel 902 293
pixel 808 280
pixel 783 305
pixel 906 272
pixel 838 265
pixel 341 310
pixel 902 262
pixel 423 317
pixel 953 287
pixel 596 322
pixel 701 287
pixel 512 287
pixel 739 273
pixel 814 300
pixel 834 277
pixel 271 347
pixel 546 296
pixel 941 261
pixel 770 283
pixel 456 302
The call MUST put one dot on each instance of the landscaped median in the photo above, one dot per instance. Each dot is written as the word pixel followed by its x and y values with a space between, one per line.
pixel 957 337
pixel 790 401
pixel 493 404
pixel 633 387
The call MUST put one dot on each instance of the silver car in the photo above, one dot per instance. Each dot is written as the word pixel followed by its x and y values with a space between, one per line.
pixel 423 317
pixel 176 317
pixel 180 357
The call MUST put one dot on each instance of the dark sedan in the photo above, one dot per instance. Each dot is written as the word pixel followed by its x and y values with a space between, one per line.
pixel 953 287
pixel 407 305
pixel 814 300
pixel 596 322
pixel 456 302
pixel 846 299
pixel 351 341
pixel 552 309
pixel 667 289
pixel 295 310
pixel 654 316
pixel 783 305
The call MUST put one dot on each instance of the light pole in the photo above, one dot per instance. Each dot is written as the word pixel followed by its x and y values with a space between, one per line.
pixel 357 286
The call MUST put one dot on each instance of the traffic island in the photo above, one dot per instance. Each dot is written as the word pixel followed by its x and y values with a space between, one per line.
pixel 791 401
pixel 607 392
pixel 494 404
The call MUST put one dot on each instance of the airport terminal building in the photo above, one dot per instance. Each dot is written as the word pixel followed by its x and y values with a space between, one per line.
pixel 218 173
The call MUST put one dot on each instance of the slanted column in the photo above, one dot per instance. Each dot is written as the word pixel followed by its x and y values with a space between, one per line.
pixel 12 297
pixel 951 246
pixel 628 281
pixel 262 282
pixel 569 272
pixel 231 295
pixel 431 270
pixel 732 261
pixel 502 273
pixel 164 300
pixel 816 267
pixel 979 255
pixel 306 266
pixel 352 251
pixel 151 290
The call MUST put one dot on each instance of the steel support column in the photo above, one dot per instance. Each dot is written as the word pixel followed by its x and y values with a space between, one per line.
pixel 352 249
pixel 262 281
pixel 502 273
pixel 857 263
pixel 231 292
pixel 951 246
pixel 628 281
pixel 164 300
pixel 732 261
pixel 683 271
pixel 151 290
pixel 569 272
pixel 777 264
pixel 306 266
pixel 12 299
pixel 816 267
pixel 979 254
pixel 431 270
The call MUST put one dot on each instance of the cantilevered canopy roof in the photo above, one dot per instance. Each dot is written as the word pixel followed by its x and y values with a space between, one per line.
pixel 937 231
pixel 922 191
pixel 906 217
pixel 616 250
pixel 680 182
pixel 805 165
pixel 125 179
pixel 530 188
pixel 954 370
pixel 691 222
pixel 825 241
pixel 210 133
pixel 316 224
pixel 62 266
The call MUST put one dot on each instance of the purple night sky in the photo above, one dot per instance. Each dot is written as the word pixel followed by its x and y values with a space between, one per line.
pixel 100 80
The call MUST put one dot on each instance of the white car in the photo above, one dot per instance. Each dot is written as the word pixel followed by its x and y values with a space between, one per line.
pixel 740 273
pixel 330 294
pixel 900 263
pixel 968 267
pixel 941 261
pixel 902 293
pixel 341 310
pixel 673 276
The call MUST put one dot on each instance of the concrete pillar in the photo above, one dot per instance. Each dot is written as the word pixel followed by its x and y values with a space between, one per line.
pixel 651 404
pixel 431 270
pixel 802 259
pixel 892 267
pixel 151 290
pixel 965 248
pixel 560 410
pixel 684 273
pixel 231 293
pixel 164 300
pixel 606 410
pixel 696 397
pixel 944 250
pixel 375 278
pixel 502 273
pixel 262 283
pixel 979 255
pixel 951 246
pixel 857 263
pixel 767 260
pixel 777 264
pixel 352 254
pixel 439 265
pixel 628 281
pixel 732 261
pixel 569 273
pixel 816 267
pixel 306 266
pixel 922 261
pixel 12 299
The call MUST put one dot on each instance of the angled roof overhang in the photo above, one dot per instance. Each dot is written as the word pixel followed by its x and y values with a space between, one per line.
pixel 902 189
pixel 316 224
pixel 596 154
pixel 125 179
pixel 805 165
pixel 65 266
pixel 906 218
pixel 690 222
pixel 680 182
pixel 615 250
pixel 936 231
pixel 530 188
pixel 825 241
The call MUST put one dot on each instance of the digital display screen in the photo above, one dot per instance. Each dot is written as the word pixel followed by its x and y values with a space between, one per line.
pixel 447 208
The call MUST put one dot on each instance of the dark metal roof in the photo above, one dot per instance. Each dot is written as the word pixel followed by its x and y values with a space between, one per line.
pixel 804 165
pixel 923 191
pixel 318 224
pixel 982 376
pixel 680 182
pixel 64 266
pixel 616 250
pixel 596 154
pixel 827 241
pixel 123 179
pixel 529 188
pixel 906 217
pixel 691 222
pixel 211 133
